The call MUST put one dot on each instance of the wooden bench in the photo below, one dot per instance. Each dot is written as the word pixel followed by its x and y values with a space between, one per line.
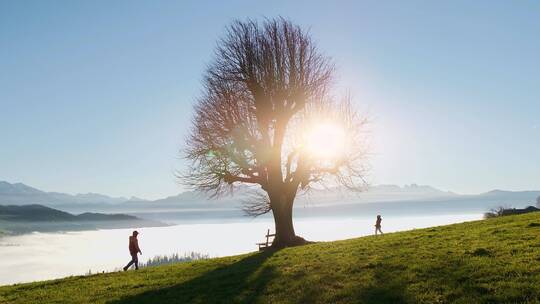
pixel 268 243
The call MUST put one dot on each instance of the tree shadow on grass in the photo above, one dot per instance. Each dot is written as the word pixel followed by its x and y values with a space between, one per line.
pixel 240 282
pixel 386 289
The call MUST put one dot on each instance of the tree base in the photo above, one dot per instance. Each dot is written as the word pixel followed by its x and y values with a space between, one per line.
pixel 294 241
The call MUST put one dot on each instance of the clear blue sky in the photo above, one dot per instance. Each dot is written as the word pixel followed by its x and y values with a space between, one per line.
pixel 96 96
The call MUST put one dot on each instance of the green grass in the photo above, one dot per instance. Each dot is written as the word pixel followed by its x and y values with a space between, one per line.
pixel 489 261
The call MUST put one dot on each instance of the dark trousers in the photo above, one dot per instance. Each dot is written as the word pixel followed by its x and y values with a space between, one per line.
pixel 134 260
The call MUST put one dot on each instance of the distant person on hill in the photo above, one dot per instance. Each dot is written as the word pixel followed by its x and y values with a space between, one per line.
pixel 378 225
pixel 133 251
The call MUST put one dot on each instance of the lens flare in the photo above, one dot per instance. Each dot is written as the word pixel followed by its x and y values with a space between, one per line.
pixel 326 141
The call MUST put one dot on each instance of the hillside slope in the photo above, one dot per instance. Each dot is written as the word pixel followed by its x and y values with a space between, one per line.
pixel 489 261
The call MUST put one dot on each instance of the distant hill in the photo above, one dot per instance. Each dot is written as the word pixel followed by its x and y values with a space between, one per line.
pixel 33 213
pixel 26 218
pixel 46 214
pixel 501 194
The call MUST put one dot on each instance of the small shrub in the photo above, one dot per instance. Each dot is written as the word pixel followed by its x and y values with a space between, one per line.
pixel 481 252
pixel 175 258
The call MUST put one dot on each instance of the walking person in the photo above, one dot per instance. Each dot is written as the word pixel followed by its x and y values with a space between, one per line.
pixel 378 225
pixel 133 251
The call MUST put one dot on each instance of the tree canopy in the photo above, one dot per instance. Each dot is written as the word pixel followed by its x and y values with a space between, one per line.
pixel 267 117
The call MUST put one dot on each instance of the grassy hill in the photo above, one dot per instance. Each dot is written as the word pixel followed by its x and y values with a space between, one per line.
pixel 490 261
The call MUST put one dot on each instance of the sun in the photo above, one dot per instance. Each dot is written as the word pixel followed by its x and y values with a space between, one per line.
pixel 326 141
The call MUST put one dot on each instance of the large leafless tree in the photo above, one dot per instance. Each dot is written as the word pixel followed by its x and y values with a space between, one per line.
pixel 267 88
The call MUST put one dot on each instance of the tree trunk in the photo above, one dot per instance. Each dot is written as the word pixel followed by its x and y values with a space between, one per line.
pixel 282 208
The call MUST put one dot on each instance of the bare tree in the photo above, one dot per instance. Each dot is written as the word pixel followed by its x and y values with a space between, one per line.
pixel 495 212
pixel 266 94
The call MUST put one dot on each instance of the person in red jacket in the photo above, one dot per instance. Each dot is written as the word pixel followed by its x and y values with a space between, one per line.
pixel 133 251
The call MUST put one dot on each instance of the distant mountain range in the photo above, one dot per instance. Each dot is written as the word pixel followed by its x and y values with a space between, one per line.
pixel 21 194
